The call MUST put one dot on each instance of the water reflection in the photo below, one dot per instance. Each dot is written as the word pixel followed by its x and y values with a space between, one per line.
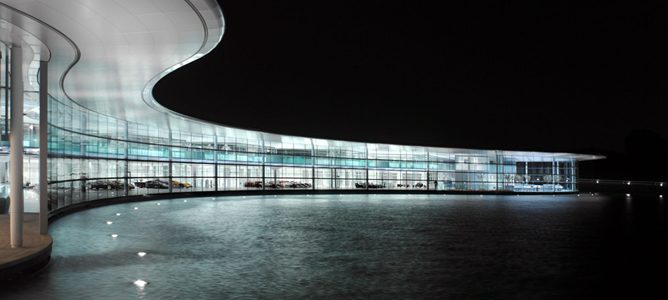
pixel 357 246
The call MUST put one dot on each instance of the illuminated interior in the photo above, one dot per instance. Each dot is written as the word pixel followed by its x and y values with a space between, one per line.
pixel 108 137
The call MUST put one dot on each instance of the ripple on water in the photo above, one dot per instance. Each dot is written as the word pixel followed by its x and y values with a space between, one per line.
pixel 328 246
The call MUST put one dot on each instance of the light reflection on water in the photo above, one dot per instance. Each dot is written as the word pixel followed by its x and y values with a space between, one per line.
pixel 344 246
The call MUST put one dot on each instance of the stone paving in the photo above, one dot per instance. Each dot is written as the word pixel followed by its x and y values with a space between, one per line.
pixel 33 242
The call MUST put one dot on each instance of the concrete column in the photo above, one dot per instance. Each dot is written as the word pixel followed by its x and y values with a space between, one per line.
pixel 554 184
pixel 169 181
pixel 43 147
pixel 215 162
pixel 428 179
pixel 312 165
pixel 366 154
pixel 16 150
pixel 126 156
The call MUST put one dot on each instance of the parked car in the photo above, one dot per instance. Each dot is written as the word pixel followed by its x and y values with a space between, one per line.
pixel 157 184
pixel 371 185
pixel 253 184
pixel 121 185
pixel 179 184
pixel 295 184
pixel 100 184
pixel 140 184
pixel 275 185
pixel 109 185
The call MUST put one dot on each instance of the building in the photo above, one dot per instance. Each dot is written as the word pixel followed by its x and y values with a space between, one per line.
pixel 107 136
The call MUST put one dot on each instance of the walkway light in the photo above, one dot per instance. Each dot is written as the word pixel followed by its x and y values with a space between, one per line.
pixel 140 283
pixel 141 254
pixel 628 195
pixel 113 235
pixel 136 208
pixel 628 183
pixel 118 214
pixel 109 222
pixel 597 181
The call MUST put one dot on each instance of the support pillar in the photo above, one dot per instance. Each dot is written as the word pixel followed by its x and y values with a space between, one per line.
pixel 428 179
pixel 215 161
pixel 43 147
pixel 169 181
pixel 554 184
pixel 126 157
pixel 16 150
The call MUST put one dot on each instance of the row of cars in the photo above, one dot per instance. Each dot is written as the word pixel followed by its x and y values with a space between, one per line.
pixel 302 185
pixel 162 184
pixel 278 184
pixel 364 185
pixel 151 184
pixel 108 185
pixel 418 185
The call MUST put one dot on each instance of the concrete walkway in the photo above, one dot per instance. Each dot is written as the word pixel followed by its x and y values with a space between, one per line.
pixel 36 248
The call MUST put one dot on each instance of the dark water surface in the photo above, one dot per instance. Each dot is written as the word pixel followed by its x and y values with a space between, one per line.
pixel 359 246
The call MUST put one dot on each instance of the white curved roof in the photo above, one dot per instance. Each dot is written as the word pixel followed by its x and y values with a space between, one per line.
pixel 108 54
pixel 118 49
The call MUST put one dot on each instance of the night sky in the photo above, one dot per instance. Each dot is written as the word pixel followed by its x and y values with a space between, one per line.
pixel 521 76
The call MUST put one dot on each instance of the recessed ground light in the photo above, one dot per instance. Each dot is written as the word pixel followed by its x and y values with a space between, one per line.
pixel 140 283
pixel 109 222
pixel 113 235
pixel 661 196
pixel 118 214
pixel 136 208
pixel 628 195
pixel 141 254
pixel 185 200
pixel 628 183
pixel 158 203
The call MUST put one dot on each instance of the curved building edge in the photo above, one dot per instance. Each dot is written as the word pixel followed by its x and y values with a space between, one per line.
pixel 96 152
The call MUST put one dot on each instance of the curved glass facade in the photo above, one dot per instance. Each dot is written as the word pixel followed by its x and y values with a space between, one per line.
pixel 94 156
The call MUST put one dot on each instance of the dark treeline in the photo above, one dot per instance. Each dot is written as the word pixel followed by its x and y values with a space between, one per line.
pixel 645 157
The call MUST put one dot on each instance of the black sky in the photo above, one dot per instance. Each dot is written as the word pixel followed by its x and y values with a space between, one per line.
pixel 553 76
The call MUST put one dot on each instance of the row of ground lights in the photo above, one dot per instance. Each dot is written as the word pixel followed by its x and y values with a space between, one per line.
pixel 140 283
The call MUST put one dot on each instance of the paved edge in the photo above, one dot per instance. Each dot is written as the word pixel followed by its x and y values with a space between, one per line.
pixel 29 264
